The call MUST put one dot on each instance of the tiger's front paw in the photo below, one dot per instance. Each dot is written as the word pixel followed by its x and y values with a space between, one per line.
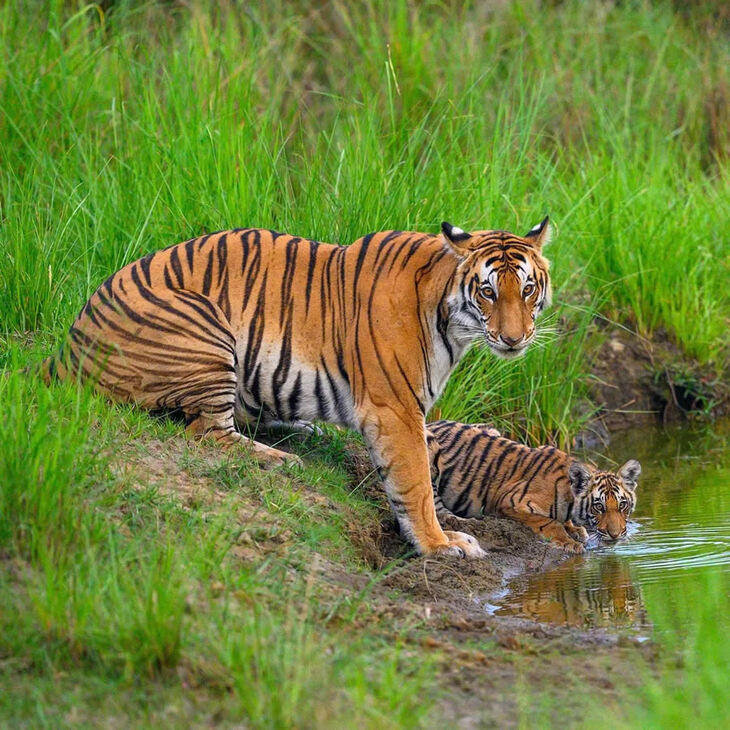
pixel 570 546
pixel 460 545
pixel 578 533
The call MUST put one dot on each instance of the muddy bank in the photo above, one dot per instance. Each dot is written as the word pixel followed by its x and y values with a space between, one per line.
pixel 451 594
pixel 458 596
pixel 638 381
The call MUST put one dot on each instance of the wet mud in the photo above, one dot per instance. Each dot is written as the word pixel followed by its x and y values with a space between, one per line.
pixel 458 594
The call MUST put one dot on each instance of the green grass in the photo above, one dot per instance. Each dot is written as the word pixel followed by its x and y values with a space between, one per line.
pixel 125 130
pixel 112 580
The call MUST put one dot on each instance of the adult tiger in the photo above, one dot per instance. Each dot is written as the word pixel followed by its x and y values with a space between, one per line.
pixel 475 471
pixel 251 325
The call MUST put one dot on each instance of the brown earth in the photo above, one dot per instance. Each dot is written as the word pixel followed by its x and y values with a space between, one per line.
pixel 636 382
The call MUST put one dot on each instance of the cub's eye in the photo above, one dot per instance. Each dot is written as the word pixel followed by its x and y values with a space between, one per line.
pixel 623 505
pixel 599 508
pixel 528 289
pixel 487 292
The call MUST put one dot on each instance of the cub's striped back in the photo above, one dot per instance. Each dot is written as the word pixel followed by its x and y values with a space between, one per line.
pixel 475 471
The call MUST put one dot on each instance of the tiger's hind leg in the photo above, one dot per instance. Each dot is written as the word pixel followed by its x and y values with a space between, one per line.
pixel 223 432
pixel 252 419
pixel 169 349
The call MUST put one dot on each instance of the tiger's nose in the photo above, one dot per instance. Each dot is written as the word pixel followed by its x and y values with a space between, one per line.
pixel 511 341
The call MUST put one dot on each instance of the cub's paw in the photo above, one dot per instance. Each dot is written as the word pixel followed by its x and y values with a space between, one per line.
pixel 570 546
pixel 461 545
pixel 577 533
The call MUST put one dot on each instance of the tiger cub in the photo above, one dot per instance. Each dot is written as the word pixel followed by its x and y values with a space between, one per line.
pixel 476 471
pixel 254 327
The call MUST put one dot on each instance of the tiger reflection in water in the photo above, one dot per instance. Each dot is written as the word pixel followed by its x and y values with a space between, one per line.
pixel 590 595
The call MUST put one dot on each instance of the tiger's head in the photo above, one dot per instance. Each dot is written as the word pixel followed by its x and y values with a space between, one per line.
pixel 503 285
pixel 604 499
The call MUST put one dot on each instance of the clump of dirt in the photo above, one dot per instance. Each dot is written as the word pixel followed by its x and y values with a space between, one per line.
pixel 467 584
pixel 637 381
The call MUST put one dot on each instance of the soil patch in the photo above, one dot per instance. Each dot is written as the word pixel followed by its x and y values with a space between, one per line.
pixel 636 381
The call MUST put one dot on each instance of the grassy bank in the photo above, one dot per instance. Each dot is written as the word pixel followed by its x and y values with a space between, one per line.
pixel 130 590
pixel 191 589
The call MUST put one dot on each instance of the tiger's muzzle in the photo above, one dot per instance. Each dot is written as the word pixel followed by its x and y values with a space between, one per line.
pixel 508 347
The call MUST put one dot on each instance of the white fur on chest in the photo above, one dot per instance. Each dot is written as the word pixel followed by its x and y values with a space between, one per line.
pixel 442 364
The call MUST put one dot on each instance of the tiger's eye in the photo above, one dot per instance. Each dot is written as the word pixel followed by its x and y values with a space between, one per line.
pixel 528 289
pixel 488 292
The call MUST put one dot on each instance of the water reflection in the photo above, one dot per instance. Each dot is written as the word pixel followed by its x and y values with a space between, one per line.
pixel 600 592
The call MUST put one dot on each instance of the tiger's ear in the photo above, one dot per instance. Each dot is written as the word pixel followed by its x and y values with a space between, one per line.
pixel 456 238
pixel 540 234
pixel 580 477
pixel 629 473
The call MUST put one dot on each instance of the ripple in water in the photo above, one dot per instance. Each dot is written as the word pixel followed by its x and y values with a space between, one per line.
pixel 603 589
pixel 678 546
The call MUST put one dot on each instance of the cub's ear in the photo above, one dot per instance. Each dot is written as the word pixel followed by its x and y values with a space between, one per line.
pixel 540 234
pixel 629 473
pixel 579 476
pixel 456 238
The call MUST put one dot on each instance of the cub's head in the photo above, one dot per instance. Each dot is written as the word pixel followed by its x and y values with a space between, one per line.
pixel 604 499
pixel 503 285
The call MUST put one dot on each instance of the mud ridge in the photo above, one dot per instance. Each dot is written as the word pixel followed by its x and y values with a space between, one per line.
pixel 638 381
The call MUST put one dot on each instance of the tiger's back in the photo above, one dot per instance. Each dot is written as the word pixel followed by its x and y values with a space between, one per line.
pixel 479 470
pixel 201 309
pixel 286 326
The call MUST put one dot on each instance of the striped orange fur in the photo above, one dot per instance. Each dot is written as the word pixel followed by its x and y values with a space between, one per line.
pixel 253 326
